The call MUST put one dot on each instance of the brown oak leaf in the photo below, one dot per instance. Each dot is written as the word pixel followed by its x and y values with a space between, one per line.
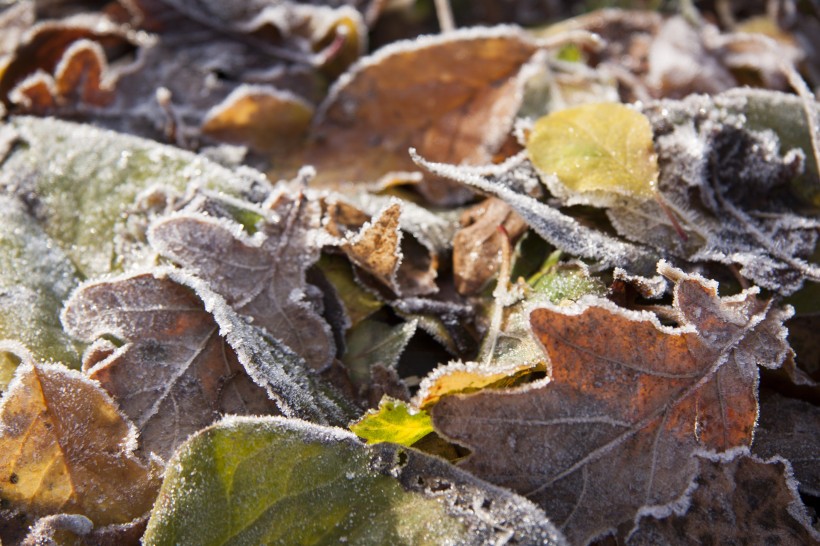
pixel 66 448
pixel 629 402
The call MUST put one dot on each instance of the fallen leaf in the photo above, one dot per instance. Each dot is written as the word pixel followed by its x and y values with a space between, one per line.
pixel 272 480
pixel 78 530
pixel 373 342
pixel 376 248
pixel 174 374
pixel 464 88
pixel 66 448
pixel 393 422
pixel 734 499
pixel 595 150
pixel 260 276
pixel 791 429
pixel 358 302
pixel 609 405
pixel 36 277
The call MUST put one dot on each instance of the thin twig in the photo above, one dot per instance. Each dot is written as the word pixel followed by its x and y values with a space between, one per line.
pixel 444 13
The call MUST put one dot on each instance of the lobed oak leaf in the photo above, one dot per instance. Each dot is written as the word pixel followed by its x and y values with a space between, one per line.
pixel 174 373
pixel 453 97
pixel 626 393
pixel 261 277
pixel 736 498
pixel 66 448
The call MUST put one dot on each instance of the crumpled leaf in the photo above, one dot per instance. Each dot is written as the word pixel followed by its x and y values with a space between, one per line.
pixel 66 448
pixel 83 181
pixel 376 248
pixel 477 245
pixel 791 429
pixel 465 88
pixel 174 373
pixel 276 480
pixel 734 499
pixel 35 278
pixel 641 411
pixel 595 150
pixel 261 276
pixel 395 422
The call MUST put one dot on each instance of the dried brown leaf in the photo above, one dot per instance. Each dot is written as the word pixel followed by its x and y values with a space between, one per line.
pixel 174 374
pixel 737 499
pixel 626 393
pixel 261 277
pixel 452 97
pixel 66 448
pixel 376 248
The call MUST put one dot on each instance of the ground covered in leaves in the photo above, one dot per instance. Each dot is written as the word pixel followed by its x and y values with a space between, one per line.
pixel 279 272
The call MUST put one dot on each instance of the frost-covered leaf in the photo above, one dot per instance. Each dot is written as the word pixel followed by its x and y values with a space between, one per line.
pixel 791 429
pixel 35 278
pixel 358 302
pixel 174 373
pixel 373 342
pixel 78 530
pixel 395 422
pixel 477 245
pixel 734 499
pixel 66 448
pixel 626 393
pixel 255 480
pixel 595 150
pixel 376 248
pixel 465 88
pixel 261 276
pixel 83 181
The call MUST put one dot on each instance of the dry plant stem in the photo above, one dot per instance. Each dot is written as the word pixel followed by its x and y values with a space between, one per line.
pixel 500 294
pixel 669 214
pixel 444 13
pixel 809 100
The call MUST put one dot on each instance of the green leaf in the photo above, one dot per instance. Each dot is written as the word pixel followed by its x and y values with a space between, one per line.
pixel 565 281
pixel 35 278
pixel 84 181
pixel 393 422
pixel 282 481
pixel 596 150
pixel 374 342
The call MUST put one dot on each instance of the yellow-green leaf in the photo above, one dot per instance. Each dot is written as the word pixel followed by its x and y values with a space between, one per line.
pixel 596 150
pixel 393 422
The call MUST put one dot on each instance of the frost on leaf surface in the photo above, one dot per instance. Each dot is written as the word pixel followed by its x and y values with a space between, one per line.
pixel 83 180
pixel 734 499
pixel 66 448
pixel 261 277
pixel 35 278
pixel 625 393
pixel 465 89
pixel 280 481
pixel 393 422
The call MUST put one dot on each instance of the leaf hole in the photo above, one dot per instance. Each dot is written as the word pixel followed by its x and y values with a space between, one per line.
pixel 14 478
pixel 401 459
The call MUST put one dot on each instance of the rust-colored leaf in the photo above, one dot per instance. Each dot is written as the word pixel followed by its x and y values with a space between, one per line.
pixel 261 277
pixel 453 98
pixel 174 374
pixel 377 247
pixel 66 448
pixel 628 404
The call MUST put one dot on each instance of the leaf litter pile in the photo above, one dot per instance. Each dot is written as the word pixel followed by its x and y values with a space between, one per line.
pixel 279 272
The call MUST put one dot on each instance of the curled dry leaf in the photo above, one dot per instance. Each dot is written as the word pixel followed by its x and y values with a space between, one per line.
pixel 453 97
pixel 174 373
pixel 66 448
pixel 376 248
pixel 261 277
pixel 791 428
pixel 612 405
pixel 279 480
pixel 734 499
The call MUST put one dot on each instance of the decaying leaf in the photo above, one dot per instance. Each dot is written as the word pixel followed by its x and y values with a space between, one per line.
pixel 260 276
pixel 269 480
pixel 393 422
pixel 453 97
pixel 35 279
pixel 734 499
pixel 376 248
pixel 174 373
pixel 625 393
pixel 791 429
pixel 66 448
pixel 595 151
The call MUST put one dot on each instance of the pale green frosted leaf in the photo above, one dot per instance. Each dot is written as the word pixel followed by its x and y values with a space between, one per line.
pixel 392 422
pixel 373 342
pixel 565 281
pixel 84 181
pixel 35 278
pixel 596 150
pixel 284 481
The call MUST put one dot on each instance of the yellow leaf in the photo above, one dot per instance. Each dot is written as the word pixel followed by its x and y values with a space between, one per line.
pixel 393 422
pixel 596 150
